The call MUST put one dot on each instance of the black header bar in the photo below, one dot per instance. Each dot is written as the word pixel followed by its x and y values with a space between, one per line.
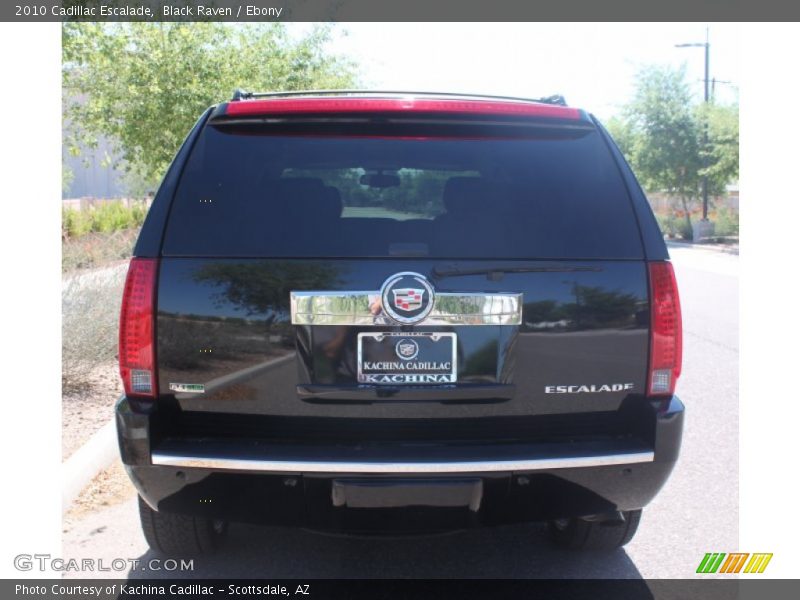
pixel 399 10
pixel 389 589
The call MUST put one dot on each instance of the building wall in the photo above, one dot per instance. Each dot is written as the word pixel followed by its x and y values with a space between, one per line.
pixel 91 178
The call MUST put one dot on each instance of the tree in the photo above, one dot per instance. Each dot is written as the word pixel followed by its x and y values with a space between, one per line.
pixel 666 140
pixel 722 158
pixel 672 142
pixel 622 132
pixel 142 85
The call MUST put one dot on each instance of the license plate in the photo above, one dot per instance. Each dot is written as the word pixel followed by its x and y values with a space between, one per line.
pixel 406 358
pixel 400 493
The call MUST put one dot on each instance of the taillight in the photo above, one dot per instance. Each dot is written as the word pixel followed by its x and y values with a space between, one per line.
pixel 666 339
pixel 137 364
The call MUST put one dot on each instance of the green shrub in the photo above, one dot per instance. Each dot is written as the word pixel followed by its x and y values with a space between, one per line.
pixel 674 226
pixel 727 223
pixel 75 223
pixel 104 218
pixel 113 216
pixel 668 224
pixel 684 229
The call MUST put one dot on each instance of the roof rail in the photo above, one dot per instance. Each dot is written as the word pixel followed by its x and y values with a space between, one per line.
pixel 239 94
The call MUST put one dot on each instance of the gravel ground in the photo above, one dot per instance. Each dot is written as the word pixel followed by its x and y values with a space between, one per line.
pixel 109 488
pixel 90 316
pixel 85 411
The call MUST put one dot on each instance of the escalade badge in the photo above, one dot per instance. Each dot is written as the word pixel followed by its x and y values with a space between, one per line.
pixel 407 297
pixel 588 389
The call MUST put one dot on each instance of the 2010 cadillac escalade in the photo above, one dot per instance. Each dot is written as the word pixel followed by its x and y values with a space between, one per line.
pixel 381 312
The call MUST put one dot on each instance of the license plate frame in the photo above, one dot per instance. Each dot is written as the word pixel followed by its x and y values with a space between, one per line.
pixel 444 368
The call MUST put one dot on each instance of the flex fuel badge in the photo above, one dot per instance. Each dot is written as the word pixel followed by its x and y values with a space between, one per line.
pixel 188 388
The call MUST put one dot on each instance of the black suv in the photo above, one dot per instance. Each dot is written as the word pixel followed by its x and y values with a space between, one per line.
pixel 372 312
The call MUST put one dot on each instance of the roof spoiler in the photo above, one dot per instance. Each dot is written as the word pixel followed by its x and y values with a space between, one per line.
pixel 239 94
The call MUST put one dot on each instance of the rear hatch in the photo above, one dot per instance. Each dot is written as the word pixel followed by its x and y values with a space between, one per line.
pixel 297 241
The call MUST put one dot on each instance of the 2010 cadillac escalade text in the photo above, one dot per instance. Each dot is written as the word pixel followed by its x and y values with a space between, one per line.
pixel 381 312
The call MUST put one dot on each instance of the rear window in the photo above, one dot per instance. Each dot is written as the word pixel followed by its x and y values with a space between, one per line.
pixel 247 192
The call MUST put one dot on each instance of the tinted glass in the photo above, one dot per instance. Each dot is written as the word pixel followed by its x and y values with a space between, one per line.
pixel 248 193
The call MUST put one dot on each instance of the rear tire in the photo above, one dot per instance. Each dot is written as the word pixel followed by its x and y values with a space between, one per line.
pixel 180 535
pixel 579 534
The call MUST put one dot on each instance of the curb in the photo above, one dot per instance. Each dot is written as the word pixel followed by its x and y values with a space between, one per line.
pixel 86 462
pixel 720 249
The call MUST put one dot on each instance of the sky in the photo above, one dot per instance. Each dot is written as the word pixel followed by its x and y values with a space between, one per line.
pixel 593 65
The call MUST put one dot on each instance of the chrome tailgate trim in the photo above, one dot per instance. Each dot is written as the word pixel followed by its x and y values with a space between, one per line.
pixel 363 308
pixel 321 466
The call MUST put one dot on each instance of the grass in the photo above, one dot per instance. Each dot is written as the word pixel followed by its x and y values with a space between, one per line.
pixel 97 249
pixel 99 235
pixel 90 304
pixel 94 244
pixel 104 218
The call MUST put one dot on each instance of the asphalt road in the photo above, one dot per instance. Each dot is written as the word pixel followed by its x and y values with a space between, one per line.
pixel 696 512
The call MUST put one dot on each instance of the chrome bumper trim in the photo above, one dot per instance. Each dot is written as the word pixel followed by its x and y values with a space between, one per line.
pixel 364 308
pixel 305 466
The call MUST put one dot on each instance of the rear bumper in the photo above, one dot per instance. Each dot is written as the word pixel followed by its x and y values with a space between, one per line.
pixel 361 486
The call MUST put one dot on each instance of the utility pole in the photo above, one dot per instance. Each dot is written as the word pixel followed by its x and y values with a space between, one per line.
pixel 705 135
pixel 714 82
pixel 706 98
